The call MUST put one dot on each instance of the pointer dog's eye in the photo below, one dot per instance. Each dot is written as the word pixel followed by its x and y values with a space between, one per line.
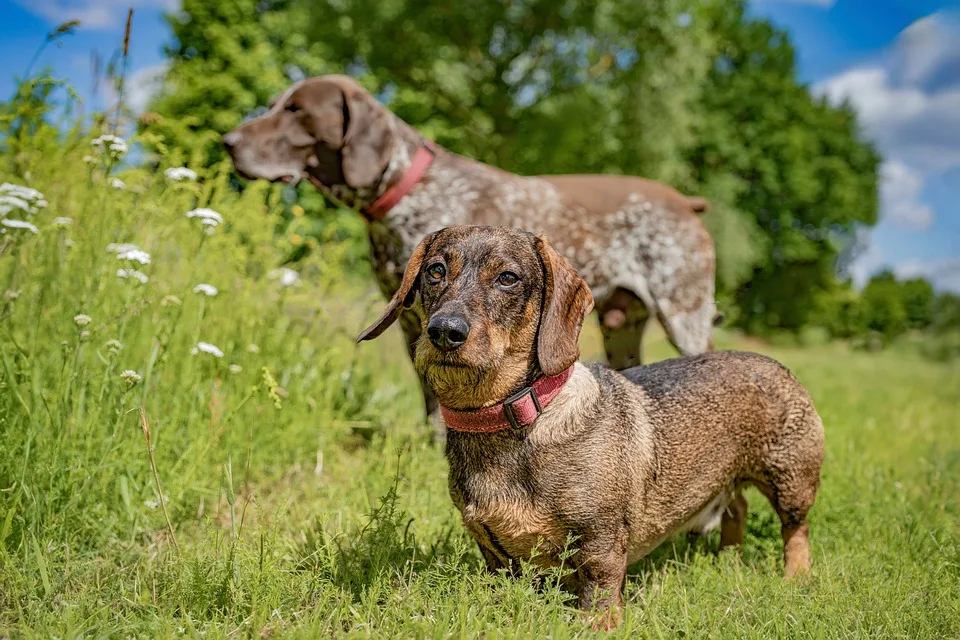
pixel 292 107
pixel 436 272
pixel 507 279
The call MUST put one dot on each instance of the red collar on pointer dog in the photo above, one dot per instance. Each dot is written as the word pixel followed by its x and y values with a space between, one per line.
pixel 422 160
pixel 519 410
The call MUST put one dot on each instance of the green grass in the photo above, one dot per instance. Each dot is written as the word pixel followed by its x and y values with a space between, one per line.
pixel 307 501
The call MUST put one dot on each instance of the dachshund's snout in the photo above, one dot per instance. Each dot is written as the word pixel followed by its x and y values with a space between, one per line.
pixel 448 332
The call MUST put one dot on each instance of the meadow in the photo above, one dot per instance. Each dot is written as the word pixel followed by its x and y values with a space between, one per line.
pixel 191 444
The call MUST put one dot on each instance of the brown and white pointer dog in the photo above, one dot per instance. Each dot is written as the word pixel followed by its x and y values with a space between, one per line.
pixel 639 244
pixel 543 449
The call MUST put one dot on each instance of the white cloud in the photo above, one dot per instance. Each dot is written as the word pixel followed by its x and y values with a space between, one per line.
pixel 944 274
pixel 143 84
pixel 909 101
pixel 900 190
pixel 92 14
pixel 928 52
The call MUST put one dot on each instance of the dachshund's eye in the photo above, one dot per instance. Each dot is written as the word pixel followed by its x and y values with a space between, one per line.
pixel 507 279
pixel 436 272
pixel 292 107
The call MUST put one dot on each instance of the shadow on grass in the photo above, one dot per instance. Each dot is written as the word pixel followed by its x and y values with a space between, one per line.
pixel 385 548
pixel 761 543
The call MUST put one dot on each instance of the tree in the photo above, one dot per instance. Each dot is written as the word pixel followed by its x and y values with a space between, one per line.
pixel 946 312
pixel 690 92
pixel 843 312
pixel 229 58
pixel 533 87
pixel 883 303
pixel 796 167
pixel 918 298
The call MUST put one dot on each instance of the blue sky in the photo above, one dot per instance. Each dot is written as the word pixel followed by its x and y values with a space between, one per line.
pixel 896 61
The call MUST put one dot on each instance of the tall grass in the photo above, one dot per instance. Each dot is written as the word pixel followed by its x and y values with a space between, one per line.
pixel 151 488
pixel 93 331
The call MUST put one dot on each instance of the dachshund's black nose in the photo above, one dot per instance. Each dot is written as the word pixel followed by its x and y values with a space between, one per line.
pixel 448 332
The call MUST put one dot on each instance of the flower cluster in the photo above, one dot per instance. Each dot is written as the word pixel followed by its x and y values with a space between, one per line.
pixel 287 276
pixel 206 347
pixel 134 255
pixel 130 253
pixel 206 289
pixel 19 224
pixel 110 146
pixel 207 217
pixel 133 274
pixel 14 197
pixel 180 174
pixel 131 378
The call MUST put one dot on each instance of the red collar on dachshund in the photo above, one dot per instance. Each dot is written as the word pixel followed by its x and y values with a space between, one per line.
pixel 422 160
pixel 519 410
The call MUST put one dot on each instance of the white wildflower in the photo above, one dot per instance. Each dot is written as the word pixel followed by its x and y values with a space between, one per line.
pixel 133 274
pixel 114 145
pixel 19 191
pixel 82 319
pixel 178 174
pixel 206 289
pixel 288 277
pixel 84 335
pixel 121 248
pixel 135 255
pixel 206 347
pixel 11 294
pixel 9 203
pixel 235 368
pixel 253 348
pixel 117 183
pixel 114 346
pixel 131 377
pixel 62 222
pixel 15 196
pixel 89 159
pixel 207 216
pixel 209 222
pixel 19 224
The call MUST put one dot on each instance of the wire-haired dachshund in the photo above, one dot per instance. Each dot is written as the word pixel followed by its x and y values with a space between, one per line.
pixel 543 449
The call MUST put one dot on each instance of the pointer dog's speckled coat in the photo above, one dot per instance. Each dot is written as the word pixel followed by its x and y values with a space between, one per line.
pixel 618 460
pixel 639 244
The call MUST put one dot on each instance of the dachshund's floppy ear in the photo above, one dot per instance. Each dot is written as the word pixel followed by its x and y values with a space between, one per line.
pixel 404 296
pixel 566 302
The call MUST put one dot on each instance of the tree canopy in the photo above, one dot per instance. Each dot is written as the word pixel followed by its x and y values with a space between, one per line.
pixel 692 92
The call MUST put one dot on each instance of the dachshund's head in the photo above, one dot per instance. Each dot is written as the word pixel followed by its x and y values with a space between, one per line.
pixel 500 307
